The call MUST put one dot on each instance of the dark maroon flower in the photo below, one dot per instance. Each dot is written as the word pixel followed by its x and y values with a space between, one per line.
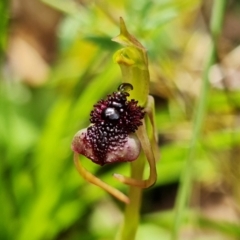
pixel 110 137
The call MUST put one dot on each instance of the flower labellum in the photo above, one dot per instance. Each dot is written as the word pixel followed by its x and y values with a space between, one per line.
pixel 110 137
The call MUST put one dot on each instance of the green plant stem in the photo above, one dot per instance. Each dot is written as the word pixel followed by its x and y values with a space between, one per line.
pixel 186 176
pixel 134 67
pixel 131 216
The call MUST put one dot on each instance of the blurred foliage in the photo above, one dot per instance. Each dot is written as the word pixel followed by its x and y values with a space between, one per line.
pixel 41 195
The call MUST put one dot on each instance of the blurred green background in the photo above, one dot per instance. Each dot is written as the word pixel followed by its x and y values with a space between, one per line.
pixel 56 62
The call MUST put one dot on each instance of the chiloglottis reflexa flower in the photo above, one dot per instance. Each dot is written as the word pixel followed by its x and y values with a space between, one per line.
pixel 110 137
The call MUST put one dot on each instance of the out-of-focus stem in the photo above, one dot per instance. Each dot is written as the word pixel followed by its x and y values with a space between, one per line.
pixel 186 176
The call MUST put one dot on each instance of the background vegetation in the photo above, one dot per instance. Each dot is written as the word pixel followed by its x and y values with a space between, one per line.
pixel 56 62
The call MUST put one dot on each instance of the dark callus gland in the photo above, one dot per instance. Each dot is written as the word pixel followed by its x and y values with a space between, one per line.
pixel 110 137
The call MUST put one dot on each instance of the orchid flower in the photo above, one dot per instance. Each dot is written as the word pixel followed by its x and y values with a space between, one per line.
pixel 122 124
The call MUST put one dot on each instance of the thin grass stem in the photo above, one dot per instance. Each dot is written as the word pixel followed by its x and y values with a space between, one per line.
pixel 186 176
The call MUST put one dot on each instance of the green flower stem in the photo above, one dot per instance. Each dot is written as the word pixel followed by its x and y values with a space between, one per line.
pixel 186 177
pixel 134 66
pixel 131 216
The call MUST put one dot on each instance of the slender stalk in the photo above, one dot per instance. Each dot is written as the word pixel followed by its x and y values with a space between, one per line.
pixel 132 210
pixel 134 67
pixel 131 217
pixel 186 176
